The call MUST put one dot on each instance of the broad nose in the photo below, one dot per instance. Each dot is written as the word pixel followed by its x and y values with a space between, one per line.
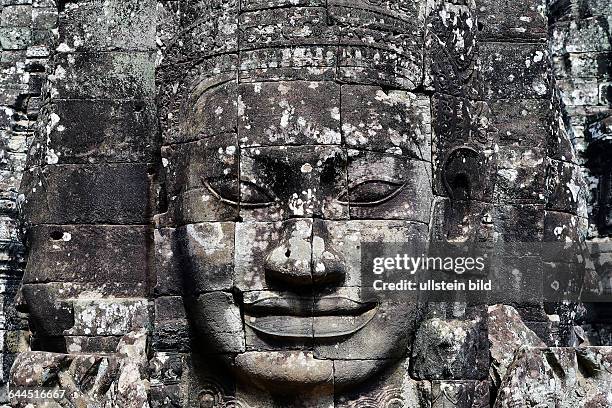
pixel 292 261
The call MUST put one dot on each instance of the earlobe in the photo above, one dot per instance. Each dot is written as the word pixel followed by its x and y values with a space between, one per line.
pixel 462 174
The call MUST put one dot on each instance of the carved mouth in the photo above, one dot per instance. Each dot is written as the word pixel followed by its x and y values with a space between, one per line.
pixel 305 317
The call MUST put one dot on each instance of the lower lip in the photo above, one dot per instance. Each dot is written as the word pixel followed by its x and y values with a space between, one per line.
pixel 302 327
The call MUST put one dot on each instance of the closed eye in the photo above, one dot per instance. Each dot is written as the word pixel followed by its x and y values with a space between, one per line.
pixel 370 193
pixel 251 195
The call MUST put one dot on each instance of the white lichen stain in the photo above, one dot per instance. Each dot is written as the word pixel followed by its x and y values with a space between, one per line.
pixel 335 113
pixel 306 168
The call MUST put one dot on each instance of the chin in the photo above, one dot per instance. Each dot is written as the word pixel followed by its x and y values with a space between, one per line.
pixel 299 371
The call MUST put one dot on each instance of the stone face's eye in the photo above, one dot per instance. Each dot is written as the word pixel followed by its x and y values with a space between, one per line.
pixel 254 196
pixel 370 193
pixel 251 195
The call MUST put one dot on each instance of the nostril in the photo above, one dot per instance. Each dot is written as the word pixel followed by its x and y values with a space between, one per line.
pixel 56 235
pixel 288 253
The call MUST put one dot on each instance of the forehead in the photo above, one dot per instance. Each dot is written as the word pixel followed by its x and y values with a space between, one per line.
pixel 299 72
pixel 374 42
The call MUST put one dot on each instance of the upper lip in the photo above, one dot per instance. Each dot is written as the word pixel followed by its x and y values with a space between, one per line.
pixel 279 305
pixel 294 316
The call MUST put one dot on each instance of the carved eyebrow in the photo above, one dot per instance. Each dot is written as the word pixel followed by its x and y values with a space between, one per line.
pixel 200 88
pixel 384 179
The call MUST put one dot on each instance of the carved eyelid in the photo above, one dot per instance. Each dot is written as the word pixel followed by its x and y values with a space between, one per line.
pixel 399 186
pixel 219 197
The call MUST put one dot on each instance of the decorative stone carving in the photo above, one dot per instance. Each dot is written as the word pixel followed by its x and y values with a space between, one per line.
pixel 195 217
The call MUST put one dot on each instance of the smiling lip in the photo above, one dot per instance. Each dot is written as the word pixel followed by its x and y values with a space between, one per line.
pixel 301 317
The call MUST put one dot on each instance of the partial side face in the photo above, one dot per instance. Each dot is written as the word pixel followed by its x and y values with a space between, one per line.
pixel 282 157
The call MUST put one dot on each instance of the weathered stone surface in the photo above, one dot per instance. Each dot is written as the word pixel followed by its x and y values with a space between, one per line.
pixel 460 394
pixel 88 380
pixel 89 254
pixel 166 368
pixel 277 332
pixel 383 335
pixel 165 396
pixel 515 71
pixel 44 18
pixel 566 188
pixel 287 113
pixel 15 38
pixel 303 62
pixel 184 108
pixel 370 52
pixel 273 333
pixel 49 314
pixel 109 317
pixel 91 344
pixel 395 387
pixel 188 166
pixel 512 20
pixel 264 4
pixel 22 74
pixel 72 194
pixel 311 396
pixel 208 256
pixel 337 244
pixel 294 133
pixel 561 227
pixel 16 341
pixel 462 146
pixel 210 28
pixel 519 223
pixel 266 246
pixel 101 131
pixel 590 36
pixel 450 349
pixel 507 335
pixel 565 377
pixel 314 372
pixel 167 279
pixel 171 329
pixel 384 186
pixel 217 322
pixel 103 75
pixel 284 182
pixel 452 222
pixel 519 175
pixel 380 44
pixel 125 26
pixel 283 26
pixel 451 52
pixel 579 92
pixel 521 122
pixel 582 65
pixel 395 122
pixel 16 16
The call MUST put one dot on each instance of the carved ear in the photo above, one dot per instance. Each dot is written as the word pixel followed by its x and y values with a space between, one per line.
pixel 463 174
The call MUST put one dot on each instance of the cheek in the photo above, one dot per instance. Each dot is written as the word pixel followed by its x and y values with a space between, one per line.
pixel 254 240
pixel 208 252
pixel 217 320
pixel 389 335
pixel 343 241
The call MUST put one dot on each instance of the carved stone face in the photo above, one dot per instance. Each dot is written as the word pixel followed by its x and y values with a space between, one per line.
pixel 278 167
